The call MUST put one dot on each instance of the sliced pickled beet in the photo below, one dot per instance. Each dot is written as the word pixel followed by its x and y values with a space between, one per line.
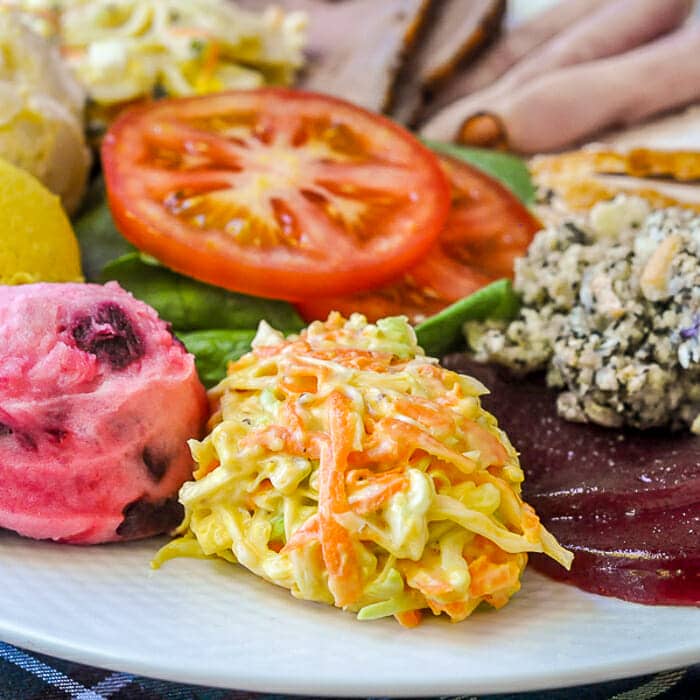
pixel 665 586
pixel 109 335
pixel 652 557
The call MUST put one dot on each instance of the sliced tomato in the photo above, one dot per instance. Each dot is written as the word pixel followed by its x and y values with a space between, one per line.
pixel 274 192
pixel 487 228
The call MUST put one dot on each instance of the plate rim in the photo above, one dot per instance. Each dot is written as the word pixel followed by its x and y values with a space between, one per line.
pixel 299 685
pixel 125 660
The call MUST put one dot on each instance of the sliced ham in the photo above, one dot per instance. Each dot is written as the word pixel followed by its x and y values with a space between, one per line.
pixel 458 27
pixel 356 47
pixel 611 29
pixel 519 42
pixel 561 108
pixel 455 30
pixel 626 503
pixel 513 46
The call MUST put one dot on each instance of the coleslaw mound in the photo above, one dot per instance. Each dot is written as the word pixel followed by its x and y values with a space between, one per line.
pixel 348 467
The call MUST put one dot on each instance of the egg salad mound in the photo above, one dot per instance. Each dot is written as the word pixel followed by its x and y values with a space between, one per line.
pixel 348 467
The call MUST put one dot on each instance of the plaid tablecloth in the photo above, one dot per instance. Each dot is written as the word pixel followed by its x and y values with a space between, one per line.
pixel 28 676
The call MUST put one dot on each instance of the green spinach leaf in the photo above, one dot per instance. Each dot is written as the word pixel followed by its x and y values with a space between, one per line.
pixel 99 240
pixel 442 332
pixel 214 349
pixel 191 305
pixel 505 167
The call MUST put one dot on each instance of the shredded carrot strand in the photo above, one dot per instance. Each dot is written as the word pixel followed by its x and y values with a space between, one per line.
pixel 492 451
pixel 428 413
pixel 488 577
pixel 430 585
pixel 299 384
pixel 211 58
pixel 339 556
pixel 419 439
pixel 409 618
pixel 389 485
pixel 307 533
pixel 382 490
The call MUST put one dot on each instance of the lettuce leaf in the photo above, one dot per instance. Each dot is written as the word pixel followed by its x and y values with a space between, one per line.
pixel 504 167
pixel 214 349
pixel 442 332
pixel 192 305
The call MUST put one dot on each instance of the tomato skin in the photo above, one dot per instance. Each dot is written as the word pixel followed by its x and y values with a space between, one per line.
pixel 487 228
pixel 342 257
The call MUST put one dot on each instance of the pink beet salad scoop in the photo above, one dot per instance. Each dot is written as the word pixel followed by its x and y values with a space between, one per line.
pixel 97 401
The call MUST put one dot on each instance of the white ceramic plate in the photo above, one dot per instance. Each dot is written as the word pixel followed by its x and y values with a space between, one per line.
pixel 215 624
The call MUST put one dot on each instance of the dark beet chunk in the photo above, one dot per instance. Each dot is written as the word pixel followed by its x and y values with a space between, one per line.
pixel 109 335
pixel 144 518
pixel 5 430
pixel 156 463
pixel 627 503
